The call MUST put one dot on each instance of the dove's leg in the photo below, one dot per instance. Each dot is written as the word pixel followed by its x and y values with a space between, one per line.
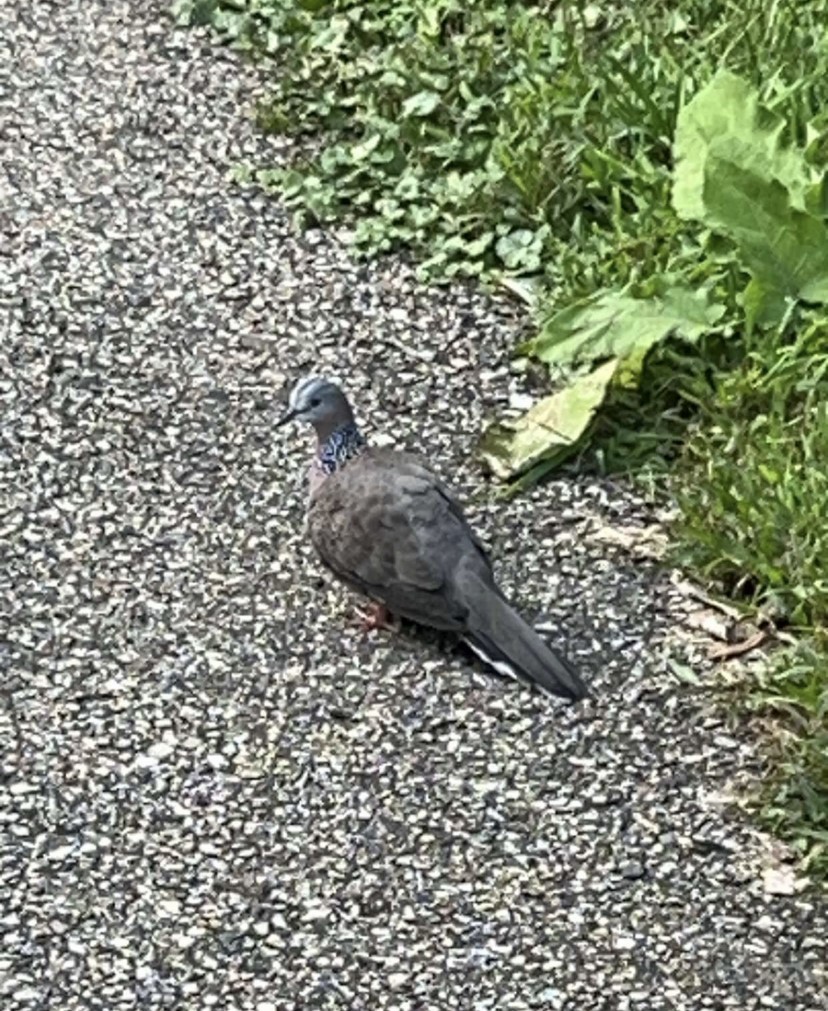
pixel 376 616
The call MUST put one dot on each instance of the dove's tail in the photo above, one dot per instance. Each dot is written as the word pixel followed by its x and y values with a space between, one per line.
pixel 503 639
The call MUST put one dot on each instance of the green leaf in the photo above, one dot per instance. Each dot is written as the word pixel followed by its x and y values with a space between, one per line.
pixel 612 324
pixel 331 37
pixel 421 104
pixel 521 249
pixel 763 306
pixel 816 198
pixel 551 430
pixel 784 248
pixel 361 150
pixel 477 247
pixel 734 174
pixel 726 122
pixel 628 373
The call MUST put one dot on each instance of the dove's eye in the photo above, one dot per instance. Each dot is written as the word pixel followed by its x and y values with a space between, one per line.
pixel 315 402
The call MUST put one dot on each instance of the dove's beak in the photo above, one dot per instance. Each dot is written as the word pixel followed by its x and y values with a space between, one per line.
pixel 289 415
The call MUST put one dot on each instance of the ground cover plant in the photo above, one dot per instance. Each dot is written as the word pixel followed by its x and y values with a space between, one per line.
pixel 650 180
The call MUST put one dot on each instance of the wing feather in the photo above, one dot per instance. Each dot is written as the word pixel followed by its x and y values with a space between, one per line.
pixel 386 526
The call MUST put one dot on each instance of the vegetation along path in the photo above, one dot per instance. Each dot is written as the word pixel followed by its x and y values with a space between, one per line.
pixel 214 793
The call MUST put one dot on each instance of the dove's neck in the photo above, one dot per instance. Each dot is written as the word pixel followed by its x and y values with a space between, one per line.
pixel 340 446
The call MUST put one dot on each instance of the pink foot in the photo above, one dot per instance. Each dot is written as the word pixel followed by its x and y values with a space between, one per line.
pixel 376 616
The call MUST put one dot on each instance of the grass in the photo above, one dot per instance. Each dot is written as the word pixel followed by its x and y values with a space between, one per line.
pixel 570 146
pixel 753 485
pixel 792 701
pixel 752 489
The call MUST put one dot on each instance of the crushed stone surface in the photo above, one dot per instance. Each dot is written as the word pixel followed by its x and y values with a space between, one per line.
pixel 214 792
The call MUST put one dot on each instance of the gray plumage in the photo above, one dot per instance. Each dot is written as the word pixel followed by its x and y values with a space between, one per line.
pixel 390 529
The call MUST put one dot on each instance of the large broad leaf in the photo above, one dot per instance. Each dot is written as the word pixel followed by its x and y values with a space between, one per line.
pixel 551 430
pixel 734 174
pixel 784 248
pixel 725 121
pixel 764 305
pixel 612 324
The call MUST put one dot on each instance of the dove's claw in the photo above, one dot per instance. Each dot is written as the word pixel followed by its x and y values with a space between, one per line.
pixel 376 616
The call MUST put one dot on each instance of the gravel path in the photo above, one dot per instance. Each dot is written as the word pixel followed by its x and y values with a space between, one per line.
pixel 213 794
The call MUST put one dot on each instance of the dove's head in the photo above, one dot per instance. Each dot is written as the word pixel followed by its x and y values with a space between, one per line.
pixel 320 403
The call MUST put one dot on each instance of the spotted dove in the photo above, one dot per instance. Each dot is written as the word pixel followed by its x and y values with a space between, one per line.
pixel 388 528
